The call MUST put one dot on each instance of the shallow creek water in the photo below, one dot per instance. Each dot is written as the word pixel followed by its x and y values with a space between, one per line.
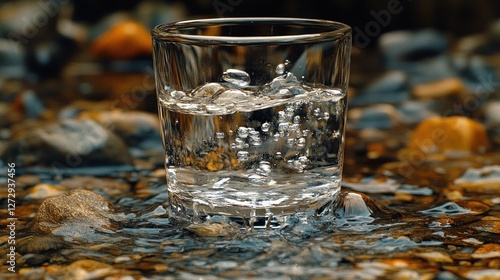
pixel 430 225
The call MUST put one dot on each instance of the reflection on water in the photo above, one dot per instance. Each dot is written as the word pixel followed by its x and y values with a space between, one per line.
pixel 398 227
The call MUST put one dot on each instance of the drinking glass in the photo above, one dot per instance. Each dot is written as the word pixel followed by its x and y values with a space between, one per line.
pixel 252 113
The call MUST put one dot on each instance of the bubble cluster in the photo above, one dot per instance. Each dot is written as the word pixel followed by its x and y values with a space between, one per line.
pixel 298 164
pixel 246 137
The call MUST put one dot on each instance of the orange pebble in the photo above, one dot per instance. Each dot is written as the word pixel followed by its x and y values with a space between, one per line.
pixel 125 40
pixel 441 88
pixel 435 135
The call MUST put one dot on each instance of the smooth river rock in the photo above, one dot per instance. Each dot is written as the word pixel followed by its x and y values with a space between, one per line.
pixel 136 128
pixel 75 213
pixel 68 143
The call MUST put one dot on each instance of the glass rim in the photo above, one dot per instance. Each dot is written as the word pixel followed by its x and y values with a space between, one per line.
pixel 334 30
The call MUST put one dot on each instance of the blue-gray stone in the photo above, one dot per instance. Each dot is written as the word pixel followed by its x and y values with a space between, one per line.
pixel 402 49
pixel 478 76
pixel 392 88
pixel 413 112
pixel 68 144
pixel 12 59
pixel 379 116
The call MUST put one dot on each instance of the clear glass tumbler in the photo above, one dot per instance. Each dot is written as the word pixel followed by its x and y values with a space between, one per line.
pixel 253 114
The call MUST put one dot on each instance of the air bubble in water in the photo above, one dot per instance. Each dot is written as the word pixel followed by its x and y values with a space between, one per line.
pixel 264 168
pixel 282 117
pixel 276 137
pixel 219 135
pixel 289 111
pixel 301 142
pixel 294 127
pixel 316 112
pixel 239 144
pixel 326 115
pixel 295 165
pixel 290 142
pixel 236 77
pixel 255 138
pixel 255 141
pixel 303 160
pixel 242 132
pixel 296 119
pixel 242 155
pixel 265 127
pixel 282 127
pixel 177 94
pixel 284 92
pixel 280 69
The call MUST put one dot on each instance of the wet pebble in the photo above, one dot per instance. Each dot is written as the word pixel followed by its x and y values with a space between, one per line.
pixel 413 112
pixel 445 275
pixel 68 143
pixel 487 251
pixel 27 180
pixel 472 241
pixel 4 115
pixel 391 88
pixel 85 269
pixel 448 87
pixel 380 116
pixel 402 50
pixel 12 60
pixel 435 256
pixel 110 186
pixel 457 208
pixel 485 225
pixel 213 229
pixel 75 213
pixel 449 134
pixel 478 76
pixel 136 128
pixel 35 259
pixel 42 191
pixel 36 244
pixel 31 104
pixel 480 180
pixel 483 274
pixel 129 33
pixel 431 69
pixel 492 114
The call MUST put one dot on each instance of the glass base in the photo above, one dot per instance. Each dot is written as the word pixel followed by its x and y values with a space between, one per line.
pixel 186 212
